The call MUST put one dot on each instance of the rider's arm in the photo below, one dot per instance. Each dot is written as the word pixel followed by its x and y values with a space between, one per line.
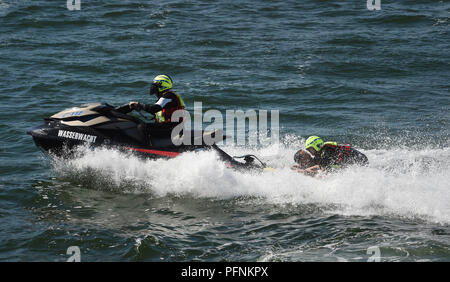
pixel 295 167
pixel 158 106
pixel 312 170
pixel 163 102
pixel 153 109
pixel 125 109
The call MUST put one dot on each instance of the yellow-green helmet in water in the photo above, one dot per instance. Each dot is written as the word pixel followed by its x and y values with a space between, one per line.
pixel 160 84
pixel 314 142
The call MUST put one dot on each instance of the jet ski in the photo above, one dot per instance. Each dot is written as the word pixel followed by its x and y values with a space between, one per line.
pixel 102 125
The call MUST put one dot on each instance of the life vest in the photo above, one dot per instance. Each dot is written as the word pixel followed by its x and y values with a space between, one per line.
pixel 165 115
pixel 343 151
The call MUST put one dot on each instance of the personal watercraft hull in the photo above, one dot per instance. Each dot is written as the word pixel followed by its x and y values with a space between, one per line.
pixel 100 125
pixel 62 141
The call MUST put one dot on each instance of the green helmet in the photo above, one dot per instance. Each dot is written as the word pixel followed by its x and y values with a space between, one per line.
pixel 314 142
pixel 161 83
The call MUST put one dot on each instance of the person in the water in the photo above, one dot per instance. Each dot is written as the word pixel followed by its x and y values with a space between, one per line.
pixel 327 156
pixel 304 163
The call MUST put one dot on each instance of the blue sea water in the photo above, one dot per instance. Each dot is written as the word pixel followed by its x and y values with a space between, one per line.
pixel 378 79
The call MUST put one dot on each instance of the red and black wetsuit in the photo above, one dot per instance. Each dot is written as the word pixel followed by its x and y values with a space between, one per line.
pixel 333 155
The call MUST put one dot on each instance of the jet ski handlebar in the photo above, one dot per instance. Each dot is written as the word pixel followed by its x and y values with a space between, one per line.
pixel 109 110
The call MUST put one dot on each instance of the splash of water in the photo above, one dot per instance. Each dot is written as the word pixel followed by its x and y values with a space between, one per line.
pixel 399 182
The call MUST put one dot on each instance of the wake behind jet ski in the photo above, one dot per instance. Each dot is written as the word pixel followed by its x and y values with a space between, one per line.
pixel 102 125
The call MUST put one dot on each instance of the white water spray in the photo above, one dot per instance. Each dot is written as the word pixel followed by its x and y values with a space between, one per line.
pixel 412 184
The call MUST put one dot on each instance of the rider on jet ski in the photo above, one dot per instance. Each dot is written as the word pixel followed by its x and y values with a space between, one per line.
pixel 168 102
pixel 326 156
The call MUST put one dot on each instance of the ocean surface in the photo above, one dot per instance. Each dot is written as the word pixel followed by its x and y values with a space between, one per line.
pixel 377 79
